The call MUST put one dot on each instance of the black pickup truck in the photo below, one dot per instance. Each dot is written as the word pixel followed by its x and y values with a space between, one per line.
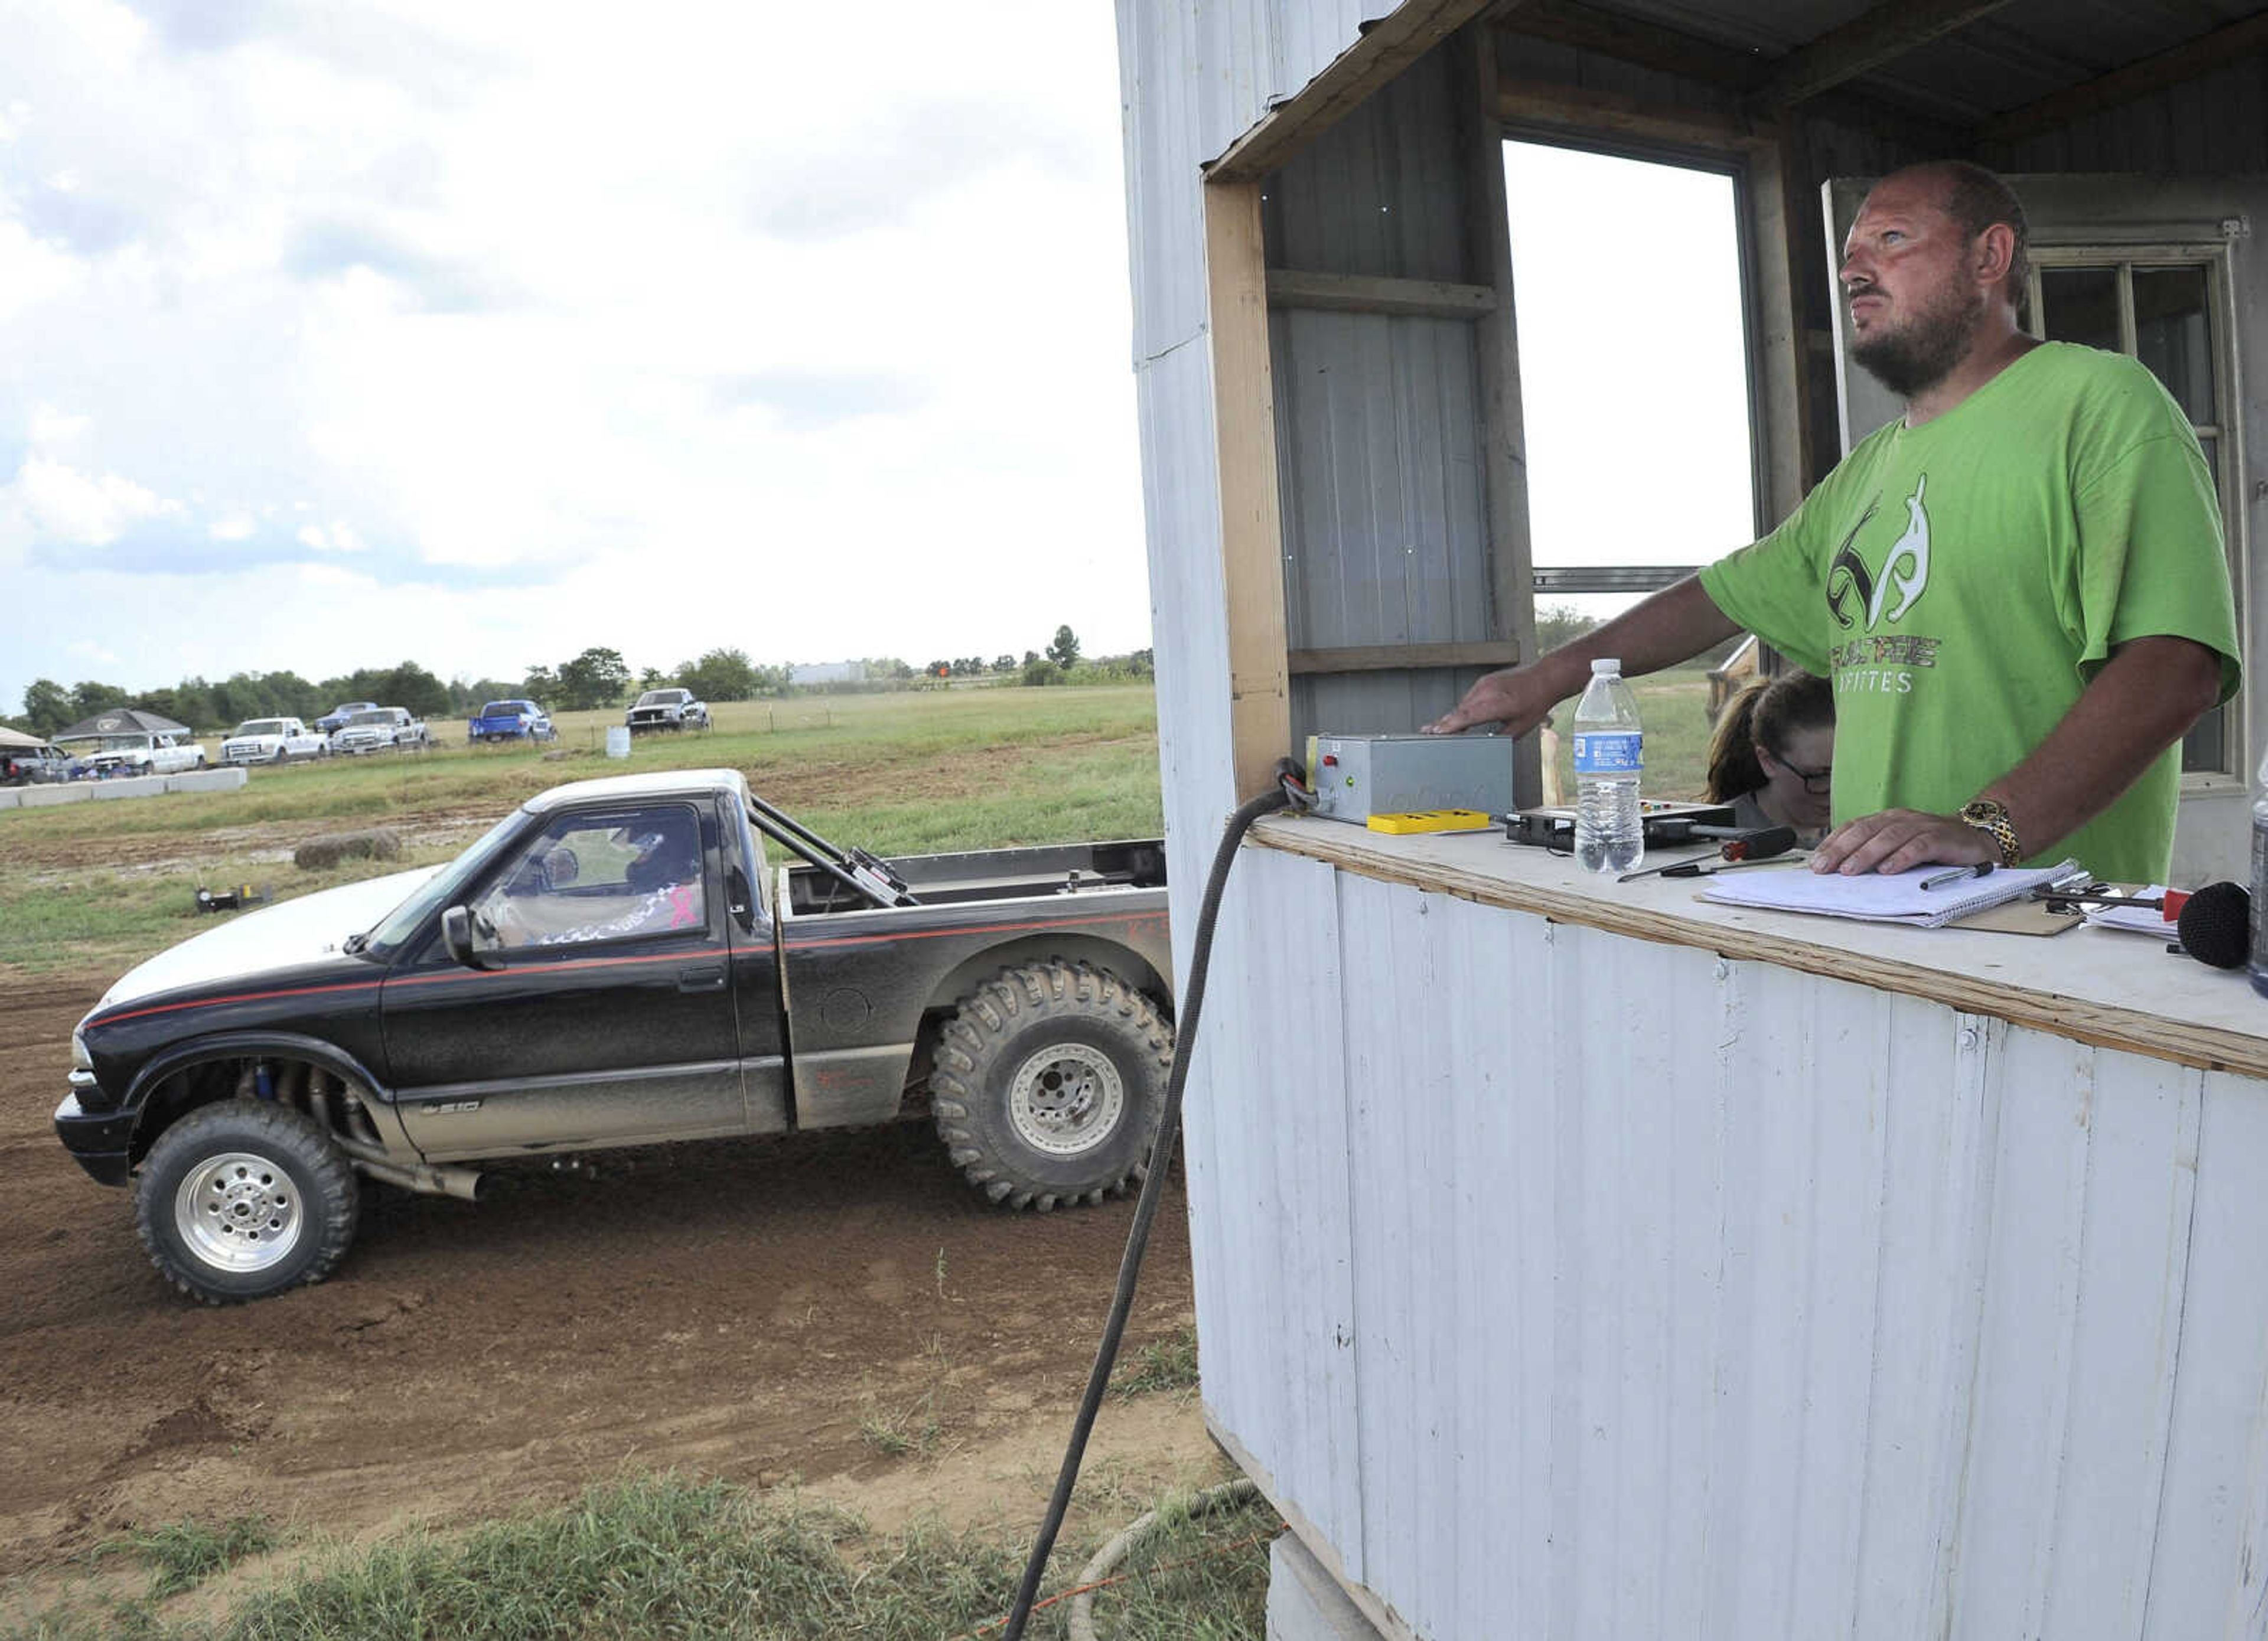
pixel 616 964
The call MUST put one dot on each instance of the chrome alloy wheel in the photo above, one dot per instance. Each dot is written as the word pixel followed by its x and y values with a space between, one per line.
pixel 1065 1098
pixel 238 1211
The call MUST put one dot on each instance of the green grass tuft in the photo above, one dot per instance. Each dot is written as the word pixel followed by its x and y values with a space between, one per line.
pixel 182 1555
pixel 666 1556
pixel 1166 1364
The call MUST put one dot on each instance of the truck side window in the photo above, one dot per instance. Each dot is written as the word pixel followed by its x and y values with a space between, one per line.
pixel 624 874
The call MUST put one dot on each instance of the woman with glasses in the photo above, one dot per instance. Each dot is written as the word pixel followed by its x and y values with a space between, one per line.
pixel 1772 752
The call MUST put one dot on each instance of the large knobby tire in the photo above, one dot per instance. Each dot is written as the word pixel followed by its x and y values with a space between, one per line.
pixel 1048 1084
pixel 245 1198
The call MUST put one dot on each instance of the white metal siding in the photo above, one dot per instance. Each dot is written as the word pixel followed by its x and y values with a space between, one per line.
pixel 1769 1304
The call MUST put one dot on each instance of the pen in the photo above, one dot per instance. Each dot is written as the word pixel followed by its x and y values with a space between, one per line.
pixel 1957 875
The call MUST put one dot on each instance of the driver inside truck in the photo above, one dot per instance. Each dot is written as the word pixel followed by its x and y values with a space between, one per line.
pixel 659 889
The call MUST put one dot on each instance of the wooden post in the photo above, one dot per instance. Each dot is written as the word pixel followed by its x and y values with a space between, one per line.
pixel 1251 521
pixel 1496 343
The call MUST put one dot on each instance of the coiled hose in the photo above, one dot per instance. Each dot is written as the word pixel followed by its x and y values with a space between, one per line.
pixel 1289 790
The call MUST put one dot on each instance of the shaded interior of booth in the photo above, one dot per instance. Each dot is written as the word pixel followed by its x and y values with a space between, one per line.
pixel 1376 548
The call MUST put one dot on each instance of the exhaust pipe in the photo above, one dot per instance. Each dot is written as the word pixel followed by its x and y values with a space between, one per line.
pixel 429 1178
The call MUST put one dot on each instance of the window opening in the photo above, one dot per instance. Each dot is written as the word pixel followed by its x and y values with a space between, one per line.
pixel 1636 394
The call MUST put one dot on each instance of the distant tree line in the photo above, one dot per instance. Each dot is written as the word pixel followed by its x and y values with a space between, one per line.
pixel 597 678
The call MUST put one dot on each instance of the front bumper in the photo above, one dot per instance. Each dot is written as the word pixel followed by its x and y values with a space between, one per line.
pixel 102 1141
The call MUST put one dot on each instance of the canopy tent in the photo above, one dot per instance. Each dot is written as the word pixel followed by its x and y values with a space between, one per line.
pixel 121 721
pixel 15 738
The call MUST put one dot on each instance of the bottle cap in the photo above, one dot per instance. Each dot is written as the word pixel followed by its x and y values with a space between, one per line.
pixel 1601 668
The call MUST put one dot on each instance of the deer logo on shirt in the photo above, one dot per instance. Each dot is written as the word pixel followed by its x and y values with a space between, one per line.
pixel 1904 574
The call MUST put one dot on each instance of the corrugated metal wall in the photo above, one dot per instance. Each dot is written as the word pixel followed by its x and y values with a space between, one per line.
pixel 1762 1304
pixel 1194 74
pixel 1378 416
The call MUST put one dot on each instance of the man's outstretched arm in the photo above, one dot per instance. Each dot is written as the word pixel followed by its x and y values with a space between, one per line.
pixel 1674 625
pixel 2143 699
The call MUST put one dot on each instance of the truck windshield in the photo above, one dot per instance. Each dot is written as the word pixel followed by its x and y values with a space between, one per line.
pixel 124 743
pixel 382 715
pixel 664 698
pixel 387 934
pixel 261 727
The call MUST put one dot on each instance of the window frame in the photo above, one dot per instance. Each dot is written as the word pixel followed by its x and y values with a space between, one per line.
pixel 1734 163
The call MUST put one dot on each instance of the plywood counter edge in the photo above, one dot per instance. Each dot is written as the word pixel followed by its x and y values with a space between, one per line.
pixel 2024 1001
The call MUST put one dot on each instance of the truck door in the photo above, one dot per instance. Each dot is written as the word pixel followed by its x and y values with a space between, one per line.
pixel 610 1017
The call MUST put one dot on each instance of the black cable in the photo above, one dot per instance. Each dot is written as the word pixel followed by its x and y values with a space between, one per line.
pixel 1145 1210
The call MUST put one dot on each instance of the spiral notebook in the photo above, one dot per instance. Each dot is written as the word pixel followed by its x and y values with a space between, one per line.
pixel 1880 897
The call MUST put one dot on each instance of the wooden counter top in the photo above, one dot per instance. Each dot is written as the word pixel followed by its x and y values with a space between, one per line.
pixel 2098 985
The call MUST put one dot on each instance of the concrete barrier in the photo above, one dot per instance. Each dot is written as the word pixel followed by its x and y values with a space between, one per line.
pixel 126 786
pixel 226 780
pixel 47 797
pixel 7 798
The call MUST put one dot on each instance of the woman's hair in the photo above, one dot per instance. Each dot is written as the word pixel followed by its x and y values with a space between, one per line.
pixel 1766 709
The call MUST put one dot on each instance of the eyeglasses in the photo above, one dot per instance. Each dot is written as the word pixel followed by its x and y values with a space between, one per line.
pixel 1815 780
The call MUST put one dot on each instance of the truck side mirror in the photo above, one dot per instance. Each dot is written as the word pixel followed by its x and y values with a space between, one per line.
pixel 457 939
pixel 740 899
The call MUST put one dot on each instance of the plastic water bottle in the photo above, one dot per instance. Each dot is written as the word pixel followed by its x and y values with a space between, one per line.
pixel 1609 835
pixel 2258 965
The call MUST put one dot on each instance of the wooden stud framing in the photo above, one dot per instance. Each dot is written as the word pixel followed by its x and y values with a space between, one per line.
pixel 1363 293
pixel 1875 36
pixel 1540 102
pixel 1783 388
pixel 2136 80
pixel 1381 657
pixel 1495 342
pixel 1251 521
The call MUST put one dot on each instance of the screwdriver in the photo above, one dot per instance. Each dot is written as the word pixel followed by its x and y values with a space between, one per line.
pixel 1747 848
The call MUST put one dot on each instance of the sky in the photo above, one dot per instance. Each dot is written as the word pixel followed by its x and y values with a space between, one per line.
pixel 341 332
pixel 1642 369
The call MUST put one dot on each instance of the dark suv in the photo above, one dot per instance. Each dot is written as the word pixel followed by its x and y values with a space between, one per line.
pixel 24 766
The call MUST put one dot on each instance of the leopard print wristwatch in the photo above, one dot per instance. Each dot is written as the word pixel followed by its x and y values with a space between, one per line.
pixel 1990 814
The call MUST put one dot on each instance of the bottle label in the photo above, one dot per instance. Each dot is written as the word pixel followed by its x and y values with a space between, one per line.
pixel 1608 751
pixel 2258 954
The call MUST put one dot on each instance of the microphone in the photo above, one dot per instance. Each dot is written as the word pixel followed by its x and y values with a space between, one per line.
pixel 2216 925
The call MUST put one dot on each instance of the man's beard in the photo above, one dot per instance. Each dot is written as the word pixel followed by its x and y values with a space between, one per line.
pixel 1922 353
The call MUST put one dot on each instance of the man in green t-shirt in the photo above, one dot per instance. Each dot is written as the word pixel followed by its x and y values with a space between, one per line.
pixel 2018 587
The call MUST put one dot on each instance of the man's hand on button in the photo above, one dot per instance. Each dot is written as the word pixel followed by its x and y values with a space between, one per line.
pixel 1514 698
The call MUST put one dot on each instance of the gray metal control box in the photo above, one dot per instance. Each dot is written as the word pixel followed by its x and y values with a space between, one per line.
pixel 1357 777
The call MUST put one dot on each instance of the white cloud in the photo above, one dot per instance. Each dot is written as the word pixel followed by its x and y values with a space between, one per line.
pixel 52 429
pixel 69 506
pixel 390 278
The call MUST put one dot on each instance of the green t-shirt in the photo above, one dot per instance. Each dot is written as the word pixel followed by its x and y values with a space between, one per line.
pixel 1963 580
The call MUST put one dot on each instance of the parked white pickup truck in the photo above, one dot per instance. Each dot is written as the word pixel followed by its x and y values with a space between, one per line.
pixel 273 740
pixel 381 729
pixel 136 752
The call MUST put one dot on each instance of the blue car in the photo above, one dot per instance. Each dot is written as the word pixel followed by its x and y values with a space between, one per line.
pixel 510 720
pixel 334 720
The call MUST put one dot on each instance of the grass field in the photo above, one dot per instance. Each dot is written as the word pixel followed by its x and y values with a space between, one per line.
pixel 899 774
pixel 907 773
pixel 659 1556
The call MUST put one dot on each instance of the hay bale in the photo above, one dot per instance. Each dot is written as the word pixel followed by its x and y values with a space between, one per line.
pixel 316 853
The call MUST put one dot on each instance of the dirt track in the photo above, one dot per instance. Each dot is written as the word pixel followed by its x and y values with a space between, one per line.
pixel 761 1311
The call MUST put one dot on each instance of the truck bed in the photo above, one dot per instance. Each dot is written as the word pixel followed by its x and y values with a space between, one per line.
pixel 993 874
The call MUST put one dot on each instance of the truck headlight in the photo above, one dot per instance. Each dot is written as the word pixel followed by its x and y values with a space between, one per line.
pixel 81 1060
